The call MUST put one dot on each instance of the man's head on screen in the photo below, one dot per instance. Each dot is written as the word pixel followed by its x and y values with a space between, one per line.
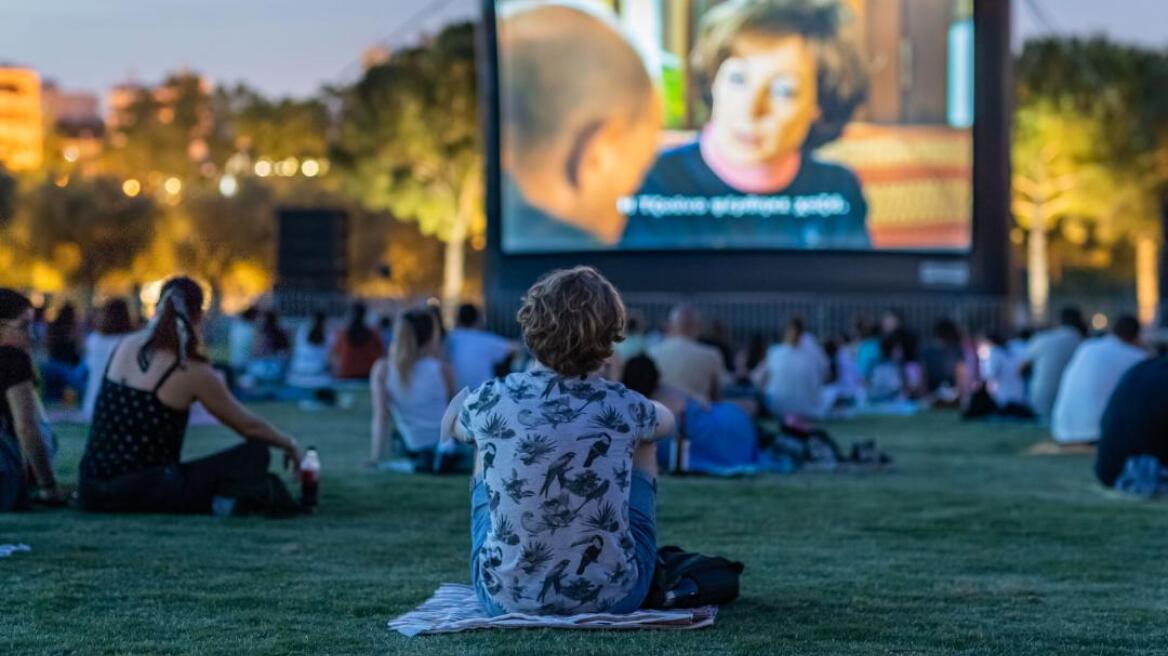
pixel 779 76
pixel 580 115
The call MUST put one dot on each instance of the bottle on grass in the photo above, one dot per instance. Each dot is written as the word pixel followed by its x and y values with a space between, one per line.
pixel 309 479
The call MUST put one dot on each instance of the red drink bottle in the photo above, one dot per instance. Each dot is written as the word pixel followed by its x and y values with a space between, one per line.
pixel 309 479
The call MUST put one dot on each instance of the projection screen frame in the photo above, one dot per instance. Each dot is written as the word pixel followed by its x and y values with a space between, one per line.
pixel 982 271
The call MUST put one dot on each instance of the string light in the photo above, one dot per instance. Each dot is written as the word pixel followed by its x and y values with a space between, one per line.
pixel 228 185
pixel 288 167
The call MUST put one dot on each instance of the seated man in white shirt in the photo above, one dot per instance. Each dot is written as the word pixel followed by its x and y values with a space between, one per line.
pixel 1002 376
pixel 473 352
pixel 1091 378
pixel 1046 358
pixel 792 377
pixel 686 363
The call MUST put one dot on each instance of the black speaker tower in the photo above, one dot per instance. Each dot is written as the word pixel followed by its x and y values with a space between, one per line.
pixel 312 249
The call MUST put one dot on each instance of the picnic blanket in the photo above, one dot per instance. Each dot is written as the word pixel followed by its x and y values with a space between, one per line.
pixel 1052 448
pixel 899 408
pixel 454 608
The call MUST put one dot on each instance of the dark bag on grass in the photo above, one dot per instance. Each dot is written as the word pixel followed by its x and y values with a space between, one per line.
pixel 13 482
pixel 690 580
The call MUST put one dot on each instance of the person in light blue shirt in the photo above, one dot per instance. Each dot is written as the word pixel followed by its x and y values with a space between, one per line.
pixel 473 352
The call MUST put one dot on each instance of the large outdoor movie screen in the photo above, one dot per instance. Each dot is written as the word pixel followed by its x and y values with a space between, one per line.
pixel 736 124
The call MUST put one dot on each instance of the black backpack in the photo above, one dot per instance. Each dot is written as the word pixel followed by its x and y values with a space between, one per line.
pixel 716 579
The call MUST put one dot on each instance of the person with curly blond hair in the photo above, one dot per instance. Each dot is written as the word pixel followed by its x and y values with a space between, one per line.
pixel 563 502
pixel 778 80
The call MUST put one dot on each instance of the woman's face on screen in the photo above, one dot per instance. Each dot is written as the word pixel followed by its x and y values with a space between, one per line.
pixel 765 98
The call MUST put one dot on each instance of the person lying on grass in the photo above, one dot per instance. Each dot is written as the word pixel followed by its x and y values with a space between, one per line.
pixel 563 501
pixel 154 376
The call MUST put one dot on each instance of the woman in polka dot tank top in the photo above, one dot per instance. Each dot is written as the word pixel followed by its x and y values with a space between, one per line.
pixel 132 458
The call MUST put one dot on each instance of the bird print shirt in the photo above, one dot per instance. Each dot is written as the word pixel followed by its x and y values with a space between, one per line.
pixel 557 458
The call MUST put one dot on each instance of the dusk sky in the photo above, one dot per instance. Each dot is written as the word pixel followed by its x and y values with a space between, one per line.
pixel 292 47
pixel 1136 21
pixel 282 47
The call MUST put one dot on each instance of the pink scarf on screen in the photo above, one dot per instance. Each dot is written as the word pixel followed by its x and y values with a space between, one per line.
pixel 766 178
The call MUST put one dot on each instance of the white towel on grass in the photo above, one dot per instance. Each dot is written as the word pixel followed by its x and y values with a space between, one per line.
pixel 7 550
pixel 454 608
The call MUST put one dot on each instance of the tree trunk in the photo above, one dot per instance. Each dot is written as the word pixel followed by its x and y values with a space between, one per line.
pixel 89 288
pixel 454 265
pixel 216 306
pixel 1038 268
pixel 1148 278
pixel 454 269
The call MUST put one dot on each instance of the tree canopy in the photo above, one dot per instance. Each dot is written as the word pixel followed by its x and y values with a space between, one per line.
pixel 1089 151
pixel 409 136
pixel 8 190
pixel 88 227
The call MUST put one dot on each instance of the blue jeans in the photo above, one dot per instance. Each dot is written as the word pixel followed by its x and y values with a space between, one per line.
pixel 642 527
pixel 13 474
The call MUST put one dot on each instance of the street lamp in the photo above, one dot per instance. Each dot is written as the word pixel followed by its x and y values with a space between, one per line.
pixel 228 185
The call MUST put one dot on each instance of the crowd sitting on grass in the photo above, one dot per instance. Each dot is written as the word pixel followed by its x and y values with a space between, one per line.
pixel 735 402
pixel 563 434
pixel 266 363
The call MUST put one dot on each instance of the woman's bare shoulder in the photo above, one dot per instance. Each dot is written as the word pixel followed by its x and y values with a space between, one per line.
pixel 201 370
pixel 135 338
pixel 127 348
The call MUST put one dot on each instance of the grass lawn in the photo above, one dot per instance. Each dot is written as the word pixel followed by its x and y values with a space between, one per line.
pixel 966 547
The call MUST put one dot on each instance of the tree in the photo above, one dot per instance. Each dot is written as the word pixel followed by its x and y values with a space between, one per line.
pixel 414 259
pixel 7 197
pixel 221 232
pixel 1091 127
pixel 10 252
pixel 169 130
pixel 409 143
pixel 1055 151
pixel 278 129
pixel 88 228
